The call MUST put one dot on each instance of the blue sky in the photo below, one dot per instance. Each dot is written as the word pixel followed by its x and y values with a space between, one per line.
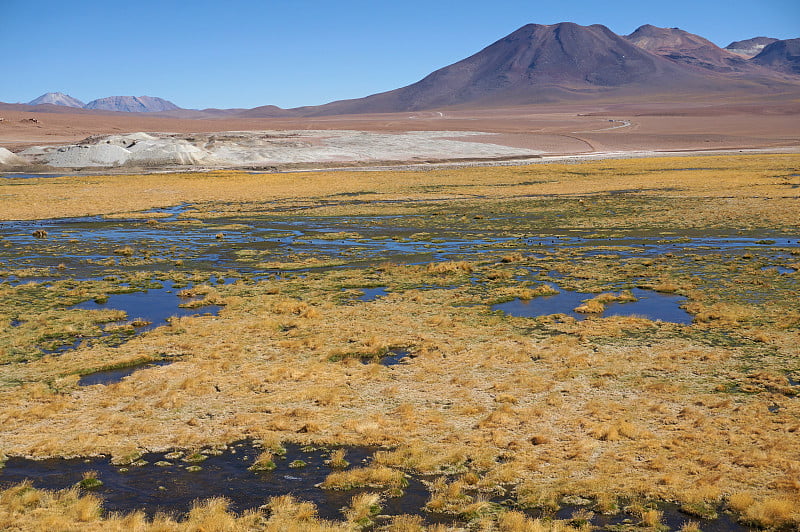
pixel 235 53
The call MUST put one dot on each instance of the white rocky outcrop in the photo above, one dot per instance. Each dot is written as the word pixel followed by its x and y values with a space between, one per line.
pixel 8 158
pixel 263 148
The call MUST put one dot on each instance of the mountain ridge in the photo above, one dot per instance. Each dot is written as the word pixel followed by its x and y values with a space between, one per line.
pixel 564 62
pixel 683 47
pixel 552 63
pixel 132 104
pixel 124 104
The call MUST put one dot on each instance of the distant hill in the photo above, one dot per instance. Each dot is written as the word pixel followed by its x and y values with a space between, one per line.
pixel 750 47
pixel 132 104
pixel 783 56
pixel 57 98
pixel 687 48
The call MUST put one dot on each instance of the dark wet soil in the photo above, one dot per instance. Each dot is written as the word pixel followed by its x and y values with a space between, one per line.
pixel 171 483
pixel 165 484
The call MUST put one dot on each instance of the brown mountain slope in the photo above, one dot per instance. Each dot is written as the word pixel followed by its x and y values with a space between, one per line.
pixel 535 64
pixel 687 48
pixel 783 56
pixel 567 62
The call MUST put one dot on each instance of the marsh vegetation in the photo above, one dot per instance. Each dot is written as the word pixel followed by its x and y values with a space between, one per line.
pixel 683 410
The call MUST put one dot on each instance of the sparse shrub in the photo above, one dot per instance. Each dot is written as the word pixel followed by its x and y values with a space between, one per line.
pixel 287 510
pixel 363 509
pixel 449 267
pixel 365 477
pixel 337 460
pixel 264 462
pixel 90 481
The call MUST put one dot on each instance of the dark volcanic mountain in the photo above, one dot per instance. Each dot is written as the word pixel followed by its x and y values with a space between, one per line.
pixel 132 104
pixel 783 56
pixel 687 48
pixel 534 64
pixel 57 98
pixel 750 47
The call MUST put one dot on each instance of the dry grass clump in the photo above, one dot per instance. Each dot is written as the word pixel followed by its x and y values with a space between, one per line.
pixel 537 495
pixel 617 430
pixel 263 462
pixel 719 314
pixel 461 498
pixel 450 267
pixel 514 521
pixel 60 510
pixel 597 304
pixel 772 512
pixel 337 459
pixel 362 509
pixel 126 251
pixel 416 456
pixel 25 508
pixel 365 477
pixel 523 292
pixel 297 308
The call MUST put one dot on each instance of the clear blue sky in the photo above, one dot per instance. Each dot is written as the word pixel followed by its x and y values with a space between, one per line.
pixel 235 53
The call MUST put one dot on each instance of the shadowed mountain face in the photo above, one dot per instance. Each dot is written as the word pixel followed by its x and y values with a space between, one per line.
pixel 534 64
pixel 57 98
pixel 783 56
pixel 687 48
pixel 132 104
pixel 750 47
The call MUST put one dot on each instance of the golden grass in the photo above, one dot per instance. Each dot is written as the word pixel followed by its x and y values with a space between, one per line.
pixel 549 406
pixel 365 477
pixel 732 177
pixel 27 509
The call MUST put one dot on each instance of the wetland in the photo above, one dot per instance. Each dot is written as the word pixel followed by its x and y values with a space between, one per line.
pixel 608 344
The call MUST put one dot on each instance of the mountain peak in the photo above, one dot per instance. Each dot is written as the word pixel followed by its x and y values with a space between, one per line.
pixel 750 47
pixel 132 104
pixel 687 48
pixel 57 98
pixel 534 64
